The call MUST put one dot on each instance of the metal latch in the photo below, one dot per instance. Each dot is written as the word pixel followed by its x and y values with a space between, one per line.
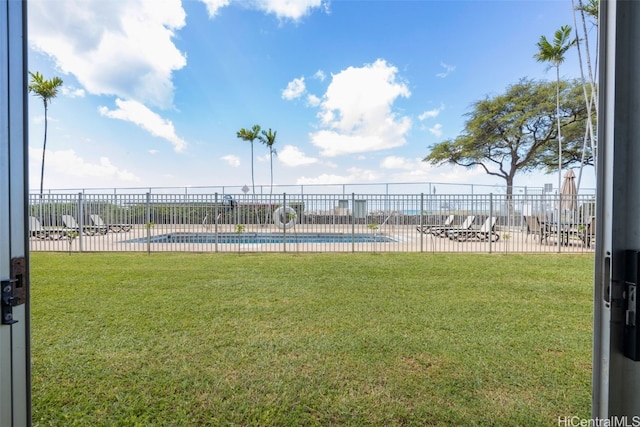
pixel 13 290
pixel 8 302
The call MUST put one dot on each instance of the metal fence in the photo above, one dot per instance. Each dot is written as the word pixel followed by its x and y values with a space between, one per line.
pixel 312 223
pixel 319 189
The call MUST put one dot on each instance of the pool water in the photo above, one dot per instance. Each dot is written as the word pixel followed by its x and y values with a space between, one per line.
pixel 263 238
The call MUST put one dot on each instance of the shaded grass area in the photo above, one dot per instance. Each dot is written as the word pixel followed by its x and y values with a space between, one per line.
pixel 310 339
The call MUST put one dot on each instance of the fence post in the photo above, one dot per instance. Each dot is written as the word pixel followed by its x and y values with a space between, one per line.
pixel 490 219
pixel 147 223
pixel 284 229
pixel 215 221
pixel 353 222
pixel 421 222
pixel 80 222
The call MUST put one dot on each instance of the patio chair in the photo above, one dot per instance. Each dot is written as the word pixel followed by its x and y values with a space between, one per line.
pixel 535 227
pixel 71 224
pixel 444 231
pixel 39 232
pixel 485 233
pixel 116 228
pixel 428 229
pixel 589 232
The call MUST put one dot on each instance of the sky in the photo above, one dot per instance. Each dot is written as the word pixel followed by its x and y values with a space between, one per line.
pixel 155 90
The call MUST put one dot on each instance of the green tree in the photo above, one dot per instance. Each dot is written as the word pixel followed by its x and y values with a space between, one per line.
pixel 590 8
pixel 45 90
pixel 512 132
pixel 269 139
pixel 553 53
pixel 250 135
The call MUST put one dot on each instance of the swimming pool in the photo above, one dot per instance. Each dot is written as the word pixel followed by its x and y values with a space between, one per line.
pixel 264 238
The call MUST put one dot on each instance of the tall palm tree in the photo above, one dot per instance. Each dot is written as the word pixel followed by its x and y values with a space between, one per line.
pixel 268 139
pixel 46 90
pixel 553 53
pixel 250 135
pixel 591 97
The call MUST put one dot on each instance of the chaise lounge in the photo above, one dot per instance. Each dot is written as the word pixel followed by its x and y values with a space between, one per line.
pixel 430 229
pixel 71 224
pixel 37 230
pixel 485 233
pixel 116 228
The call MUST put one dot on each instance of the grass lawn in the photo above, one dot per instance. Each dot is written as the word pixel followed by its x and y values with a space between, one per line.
pixel 310 339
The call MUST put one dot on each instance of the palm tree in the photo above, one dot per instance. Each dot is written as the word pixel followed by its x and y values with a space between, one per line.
pixel 553 53
pixel 46 90
pixel 268 139
pixel 591 98
pixel 250 135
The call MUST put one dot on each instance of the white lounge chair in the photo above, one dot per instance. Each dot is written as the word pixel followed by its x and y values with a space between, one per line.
pixel 485 233
pixel 38 231
pixel 437 229
pixel 71 224
pixel 444 231
pixel 116 228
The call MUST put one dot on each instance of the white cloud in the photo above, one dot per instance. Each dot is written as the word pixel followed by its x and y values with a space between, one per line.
pixel 121 48
pixel 458 174
pixel 213 6
pixel 396 162
pixel 295 89
pixel 67 162
pixel 231 160
pixel 413 170
pixel 355 175
pixel 448 69
pixel 283 9
pixel 356 111
pixel 292 156
pixel 291 9
pixel 430 114
pixel 135 112
pixel 72 92
pixel 153 152
pixel 320 75
pixel 436 130
pixel 313 100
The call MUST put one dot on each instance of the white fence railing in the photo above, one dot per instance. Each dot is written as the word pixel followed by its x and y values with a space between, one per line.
pixel 312 223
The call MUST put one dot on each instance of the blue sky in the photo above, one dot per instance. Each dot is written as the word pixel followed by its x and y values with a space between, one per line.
pixel 155 91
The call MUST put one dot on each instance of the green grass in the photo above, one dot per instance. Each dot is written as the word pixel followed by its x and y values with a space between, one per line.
pixel 310 339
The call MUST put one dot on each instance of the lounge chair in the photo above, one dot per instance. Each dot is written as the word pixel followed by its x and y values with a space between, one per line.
pixel 71 224
pixel 430 229
pixel 466 225
pixel 485 233
pixel 116 228
pixel 38 231
pixel 535 227
pixel 443 231
pixel 589 232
